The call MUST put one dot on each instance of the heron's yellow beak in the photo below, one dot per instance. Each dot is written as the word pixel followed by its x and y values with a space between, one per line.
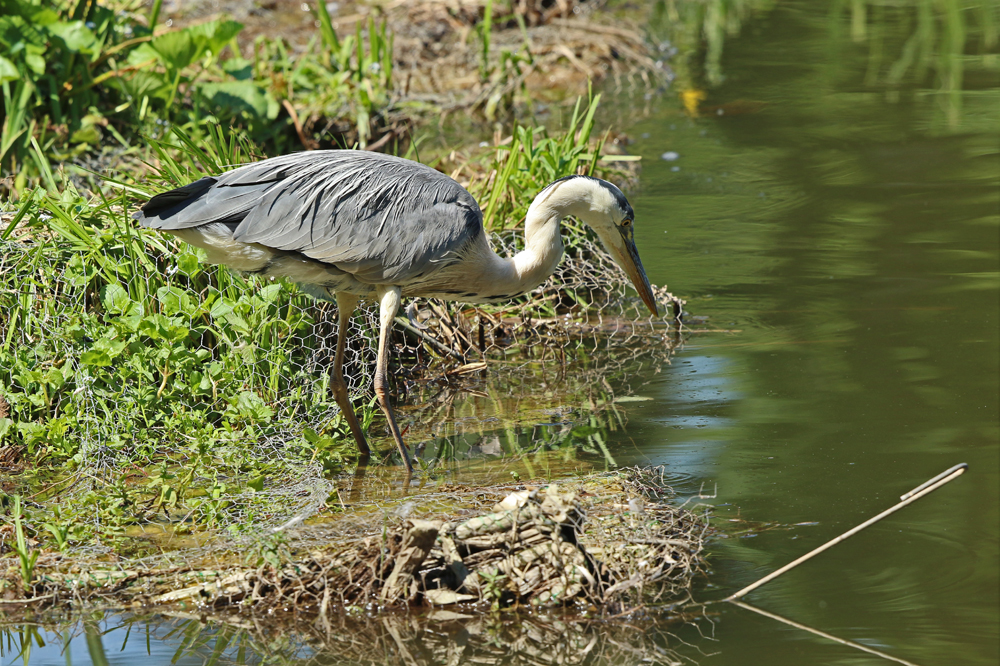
pixel 628 259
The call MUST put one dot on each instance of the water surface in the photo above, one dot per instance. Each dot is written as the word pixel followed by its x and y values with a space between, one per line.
pixel 834 206
pixel 844 219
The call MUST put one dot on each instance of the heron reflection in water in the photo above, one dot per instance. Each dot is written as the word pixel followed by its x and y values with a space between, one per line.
pixel 350 224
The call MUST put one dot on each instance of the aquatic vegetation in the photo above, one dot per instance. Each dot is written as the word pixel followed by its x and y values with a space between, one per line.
pixel 28 558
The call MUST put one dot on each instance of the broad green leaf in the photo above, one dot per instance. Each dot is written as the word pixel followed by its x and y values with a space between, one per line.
pixel 139 84
pixel 86 134
pixel 141 54
pixel 31 432
pixel 175 301
pixel 269 294
pixel 112 347
pixel 177 49
pixel 54 377
pixel 75 36
pixel 8 72
pixel 154 326
pixel 234 97
pixel 215 34
pixel 115 299
pixel 95 357
pixel 238 68
pixel 238 322
pixel 177 332
pixel 35 62
pixel 248 353
pixel 221 308
pixel 250 405
pixel 40 17
pixel 189 264
pixel 200 382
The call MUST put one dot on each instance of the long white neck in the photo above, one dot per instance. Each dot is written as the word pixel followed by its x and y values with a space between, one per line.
pixel 543 247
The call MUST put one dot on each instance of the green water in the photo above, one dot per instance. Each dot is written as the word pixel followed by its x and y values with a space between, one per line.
pixel 840 218
pixel 848 228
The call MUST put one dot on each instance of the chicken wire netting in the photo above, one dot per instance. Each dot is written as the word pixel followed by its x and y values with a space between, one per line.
pixel 131 361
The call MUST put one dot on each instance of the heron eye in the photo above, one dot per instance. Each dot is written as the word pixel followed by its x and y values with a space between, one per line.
pixel 626 222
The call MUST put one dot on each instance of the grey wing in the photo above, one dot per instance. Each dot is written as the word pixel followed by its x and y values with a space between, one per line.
pixel 382 218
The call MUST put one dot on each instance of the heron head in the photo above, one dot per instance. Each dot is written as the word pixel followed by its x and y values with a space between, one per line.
pixel 606 210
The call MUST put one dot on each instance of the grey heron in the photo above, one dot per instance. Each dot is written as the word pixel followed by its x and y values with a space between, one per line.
pixel 352 224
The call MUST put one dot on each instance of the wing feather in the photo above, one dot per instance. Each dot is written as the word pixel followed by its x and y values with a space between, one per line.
pixel 382 218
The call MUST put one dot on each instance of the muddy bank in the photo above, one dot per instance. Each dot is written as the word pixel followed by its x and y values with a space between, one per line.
pixel 451 55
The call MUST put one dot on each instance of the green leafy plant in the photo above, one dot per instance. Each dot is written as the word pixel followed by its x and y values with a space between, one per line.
pixel 75 73
pixel 52 56
pixel 27 557
pixel 485 29
pixel 269 550
pixel 60 529
pixel 495 584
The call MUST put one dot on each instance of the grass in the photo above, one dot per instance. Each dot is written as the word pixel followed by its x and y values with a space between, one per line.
pixel 121 350
pixel 28 558
pixel 530 161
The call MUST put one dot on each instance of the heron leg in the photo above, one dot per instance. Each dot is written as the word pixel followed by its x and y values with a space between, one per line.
pixel 389 304
pixel 346 303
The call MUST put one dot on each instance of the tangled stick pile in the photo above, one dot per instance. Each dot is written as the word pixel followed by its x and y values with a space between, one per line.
pixel 607 541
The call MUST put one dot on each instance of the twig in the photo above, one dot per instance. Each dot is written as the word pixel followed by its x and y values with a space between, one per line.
pixel 428 339
pixel 306 143
pixel 381 142
pixel 30 600
pixel 910 497
pixel 592 27
pixel 817 632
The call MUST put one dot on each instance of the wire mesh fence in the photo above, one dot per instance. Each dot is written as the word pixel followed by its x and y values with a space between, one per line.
pixel 190 396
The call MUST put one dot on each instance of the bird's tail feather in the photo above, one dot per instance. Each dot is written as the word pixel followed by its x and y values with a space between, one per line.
pixel 202 202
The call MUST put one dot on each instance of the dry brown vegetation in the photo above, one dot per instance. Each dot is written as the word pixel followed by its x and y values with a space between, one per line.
pixel 447 54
